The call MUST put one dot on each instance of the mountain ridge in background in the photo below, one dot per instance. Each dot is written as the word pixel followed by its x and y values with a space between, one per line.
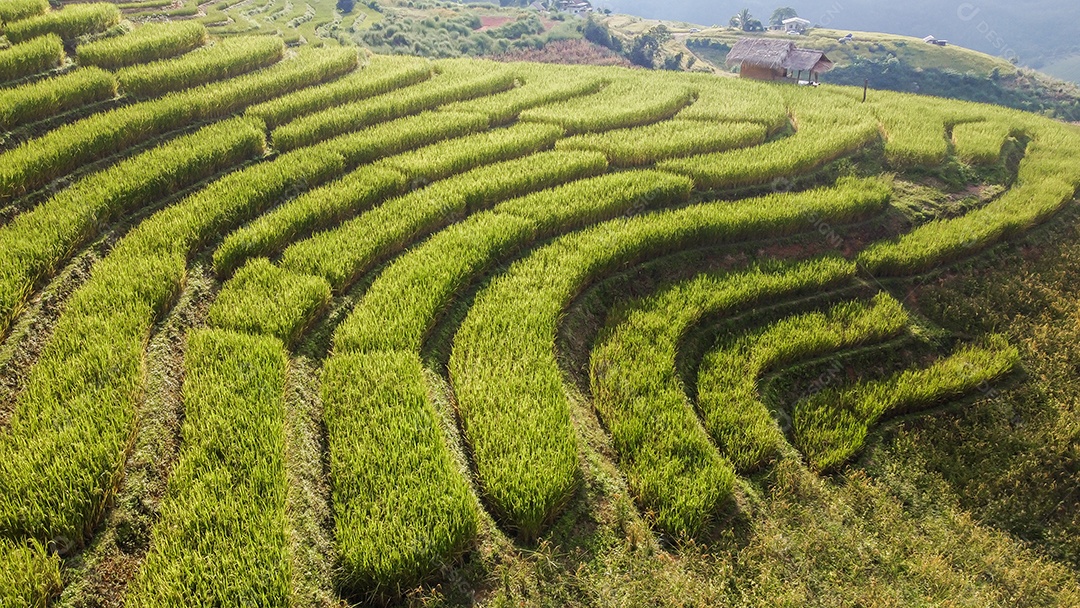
pixel 1030 33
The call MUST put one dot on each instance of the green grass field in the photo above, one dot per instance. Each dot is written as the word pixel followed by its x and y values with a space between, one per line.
pixel 304 326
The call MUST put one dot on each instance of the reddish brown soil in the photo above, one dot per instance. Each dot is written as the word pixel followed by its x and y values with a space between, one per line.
pixel 489 21
pixel 569 52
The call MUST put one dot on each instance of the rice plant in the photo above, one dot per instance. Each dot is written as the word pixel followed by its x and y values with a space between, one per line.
pixel 308 67
pixel 354 193
pixel 980 143
pixel 1046 181
pixel 735 100
pixel 508 383
pixel 35 162
pixel 405 300
pixel 31 57
pixel 14 10
pixel 741 424
pixel 454 81
pixel 626 102
pixel 668 139
pixel 339 255
pixel 824 133
pixel 63 451
pixel 542 86
pixel 445 158
pixel 379 75
pixel 263 299
pixel 37 242
pixel 69 23
pixel 323 206
pixel 45 98
pixel 914 138
pixel 29 574
pixel 401 507
pixel 221 538
pixel 227 58
pixel 674 471
pixel 832 425
pixel 149 42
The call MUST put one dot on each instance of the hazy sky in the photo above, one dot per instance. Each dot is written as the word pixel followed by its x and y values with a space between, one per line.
pixel 1030 31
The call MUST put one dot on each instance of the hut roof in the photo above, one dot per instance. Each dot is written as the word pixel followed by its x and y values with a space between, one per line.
pixel 760 51
pixel 806 60
pixel 777 54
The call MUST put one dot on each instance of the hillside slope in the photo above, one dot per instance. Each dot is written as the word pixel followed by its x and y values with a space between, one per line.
pixel 1035 34
pixel 305 327
pixel 889 62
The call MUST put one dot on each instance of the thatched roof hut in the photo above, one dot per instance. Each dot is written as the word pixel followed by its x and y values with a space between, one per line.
pixel 772 59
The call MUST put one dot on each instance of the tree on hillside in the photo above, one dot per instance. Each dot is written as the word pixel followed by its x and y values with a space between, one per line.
pixel 784 12
pixel 647 46
pixel 346 6
pixel 598 33
pixel 742 20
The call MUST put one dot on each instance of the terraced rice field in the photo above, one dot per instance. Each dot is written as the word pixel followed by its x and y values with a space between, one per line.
pixel 285 328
